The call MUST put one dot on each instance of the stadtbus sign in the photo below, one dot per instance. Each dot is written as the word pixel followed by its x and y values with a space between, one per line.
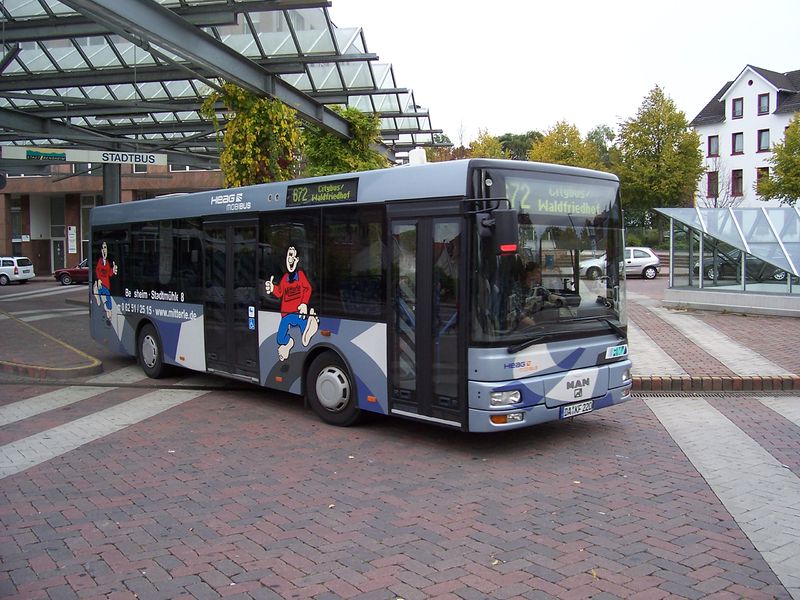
pixel 72 155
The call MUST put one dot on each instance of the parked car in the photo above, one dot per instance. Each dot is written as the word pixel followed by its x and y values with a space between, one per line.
pixel 728 264
pixel 638 261
pixel 593 268
pixel 15 268
pixel 642 261
pixel 76 274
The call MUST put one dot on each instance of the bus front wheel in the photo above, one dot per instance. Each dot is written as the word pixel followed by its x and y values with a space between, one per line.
pixel 330 391
pixel 150 352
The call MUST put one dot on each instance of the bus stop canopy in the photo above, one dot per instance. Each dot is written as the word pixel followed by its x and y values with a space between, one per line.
pixel 131 75
pixel 771 234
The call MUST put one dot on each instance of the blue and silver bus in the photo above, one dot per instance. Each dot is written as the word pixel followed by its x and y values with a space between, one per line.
pixel 449 293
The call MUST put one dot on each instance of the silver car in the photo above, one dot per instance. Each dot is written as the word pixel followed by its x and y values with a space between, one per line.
pixel 638 261
pixel 642 261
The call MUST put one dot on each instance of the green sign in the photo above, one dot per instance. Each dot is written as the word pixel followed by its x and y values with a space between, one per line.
pixel 344 190
pixel 559 197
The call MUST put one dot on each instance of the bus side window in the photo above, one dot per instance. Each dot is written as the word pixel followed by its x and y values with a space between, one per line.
pixel 355 253
pixel 298 230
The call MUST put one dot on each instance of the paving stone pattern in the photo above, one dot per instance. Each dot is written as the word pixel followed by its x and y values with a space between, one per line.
pixel 247 495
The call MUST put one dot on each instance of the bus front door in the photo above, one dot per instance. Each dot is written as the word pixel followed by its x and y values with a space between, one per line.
pixel 426 363
pixel 231 299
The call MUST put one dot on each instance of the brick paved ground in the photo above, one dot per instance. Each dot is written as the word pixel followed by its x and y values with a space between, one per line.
pixel 693 359
pixel 241 495
pixel 772 337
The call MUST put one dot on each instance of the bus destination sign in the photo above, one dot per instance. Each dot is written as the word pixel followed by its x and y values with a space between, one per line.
pixel 344 190
pixel 559 197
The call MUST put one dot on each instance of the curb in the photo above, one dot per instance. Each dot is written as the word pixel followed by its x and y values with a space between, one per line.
pixel 93 365
pixel 710 383
pixel 41 372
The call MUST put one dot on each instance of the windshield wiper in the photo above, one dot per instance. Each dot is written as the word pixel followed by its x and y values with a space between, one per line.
pixel 535 340
pixel 614 327
pixel 559 332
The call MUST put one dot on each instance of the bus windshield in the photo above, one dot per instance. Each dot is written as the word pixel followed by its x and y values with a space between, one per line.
pixel 566 277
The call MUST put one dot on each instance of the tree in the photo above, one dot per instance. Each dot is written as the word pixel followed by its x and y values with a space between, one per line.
pixel 262 140
pixel 326 153
pixel 518 144
pixel 783 183
pixel 602 138
pixel 442 151
pixel 660 158
pixel 487 146
pixel 562 144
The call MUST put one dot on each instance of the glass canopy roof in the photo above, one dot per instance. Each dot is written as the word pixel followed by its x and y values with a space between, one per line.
pixel 771 234
pixel 75 73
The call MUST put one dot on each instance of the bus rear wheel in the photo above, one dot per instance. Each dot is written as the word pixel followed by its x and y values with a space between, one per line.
pixel 150 352
pixel 330 391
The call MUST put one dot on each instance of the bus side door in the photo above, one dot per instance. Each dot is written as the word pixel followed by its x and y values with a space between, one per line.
pixel 231 298
pixel 426 331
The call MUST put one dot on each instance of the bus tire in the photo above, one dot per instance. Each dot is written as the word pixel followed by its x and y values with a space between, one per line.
pixel 330 391
pixel 150 352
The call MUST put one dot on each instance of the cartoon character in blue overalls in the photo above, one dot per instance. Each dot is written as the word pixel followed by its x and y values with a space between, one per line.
pixel 294 290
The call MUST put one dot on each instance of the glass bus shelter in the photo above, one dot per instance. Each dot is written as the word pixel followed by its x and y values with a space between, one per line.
pixel 734 249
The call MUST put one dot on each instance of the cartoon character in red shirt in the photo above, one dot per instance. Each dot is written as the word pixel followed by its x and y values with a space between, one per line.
pixel 294 290
pixel 102 285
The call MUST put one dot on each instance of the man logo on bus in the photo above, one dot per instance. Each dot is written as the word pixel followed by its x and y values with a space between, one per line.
pixel 294 290
pixel 102 286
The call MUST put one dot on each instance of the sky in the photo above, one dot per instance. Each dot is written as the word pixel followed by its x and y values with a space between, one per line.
pixel 512 66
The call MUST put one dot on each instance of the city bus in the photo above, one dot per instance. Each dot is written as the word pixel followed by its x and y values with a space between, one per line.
pixel 448 293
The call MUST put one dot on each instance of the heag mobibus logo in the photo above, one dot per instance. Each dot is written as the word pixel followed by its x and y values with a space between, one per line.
pixel 226 198
pixel 231 201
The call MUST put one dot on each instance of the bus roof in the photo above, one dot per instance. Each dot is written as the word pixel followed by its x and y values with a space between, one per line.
pixel 409 182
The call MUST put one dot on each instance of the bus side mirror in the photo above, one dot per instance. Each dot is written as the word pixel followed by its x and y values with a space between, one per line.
pixel 506 230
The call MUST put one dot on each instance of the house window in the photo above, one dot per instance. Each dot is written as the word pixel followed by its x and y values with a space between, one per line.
pixel 713 145
pixel 761 173
pixel 712 184
pixel 139 168
pixel 737 143
pixel 737 184
pixel 763 140
pixel 737 106
pixel 763 104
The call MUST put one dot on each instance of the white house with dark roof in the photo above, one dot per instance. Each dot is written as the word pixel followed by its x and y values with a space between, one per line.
pixel 737 129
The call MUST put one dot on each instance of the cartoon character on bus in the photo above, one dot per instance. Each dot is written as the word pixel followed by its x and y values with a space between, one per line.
pixel 104 271
pixel 294 290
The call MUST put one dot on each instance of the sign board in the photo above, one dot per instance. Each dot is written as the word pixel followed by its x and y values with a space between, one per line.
pixel 71 155
pixel 343 190
pixel 72 239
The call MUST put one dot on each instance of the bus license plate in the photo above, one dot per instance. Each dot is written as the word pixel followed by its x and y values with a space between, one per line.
pixel 574 410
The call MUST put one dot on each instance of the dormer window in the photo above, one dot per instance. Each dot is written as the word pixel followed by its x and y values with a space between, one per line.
pixel 737 108
pixel 763 104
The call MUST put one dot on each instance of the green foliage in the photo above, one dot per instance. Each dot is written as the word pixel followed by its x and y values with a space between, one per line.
pixel 326 153
pixel 562 144
pixel 783 183
pixel 487 146
pixel 660 158
pixel 645 236
pixel 602 138
pixel 262 140
pixel 442 153
pixel 518 144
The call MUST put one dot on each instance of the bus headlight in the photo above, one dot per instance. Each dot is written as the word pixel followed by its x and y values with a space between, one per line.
pixel 626 376
pixel 505 398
